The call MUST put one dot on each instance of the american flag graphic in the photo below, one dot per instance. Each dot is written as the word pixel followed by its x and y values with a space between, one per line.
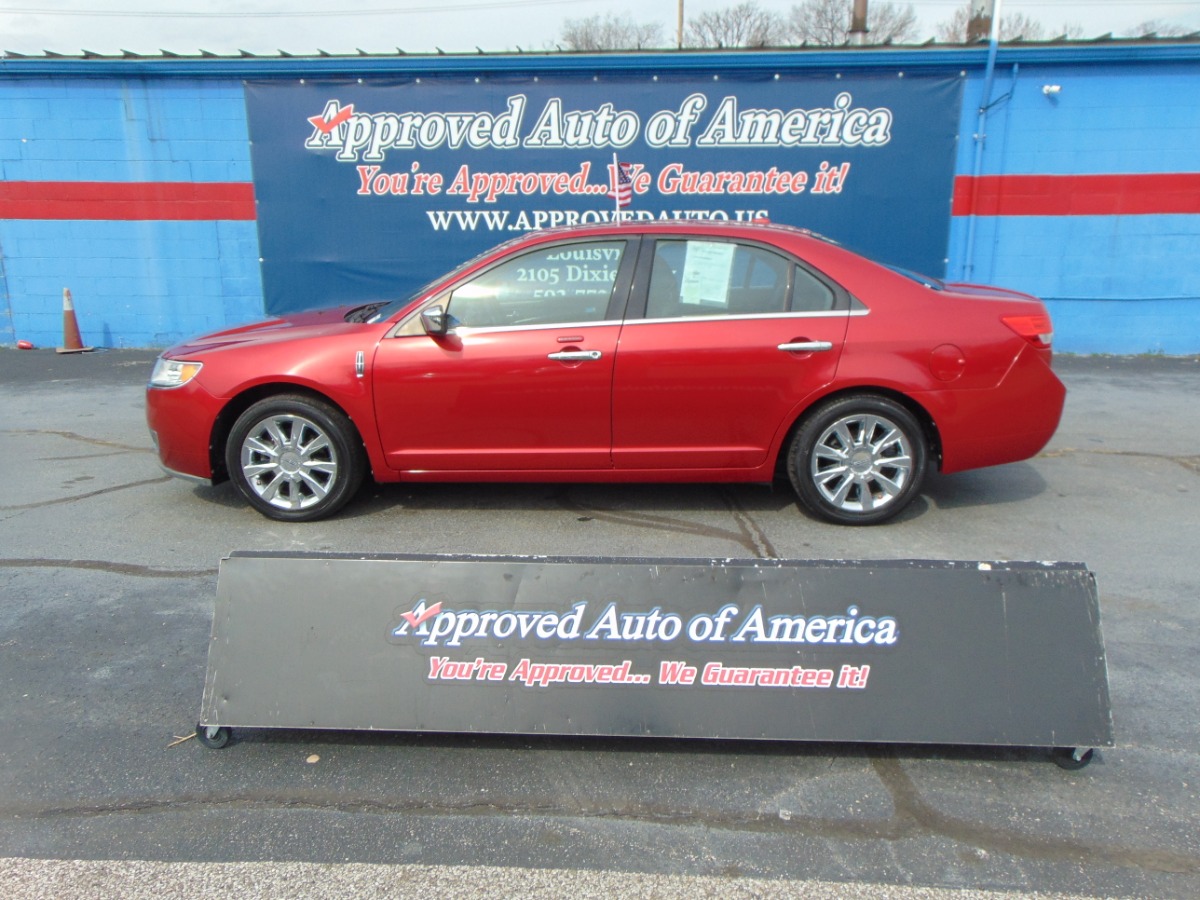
pixel 622 188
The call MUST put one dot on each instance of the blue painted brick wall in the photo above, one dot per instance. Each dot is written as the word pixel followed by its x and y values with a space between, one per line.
pixel 59 129
pixel 135 284
pixel 1114 284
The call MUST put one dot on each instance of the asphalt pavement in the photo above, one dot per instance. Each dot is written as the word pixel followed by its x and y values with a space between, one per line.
pixel 108 575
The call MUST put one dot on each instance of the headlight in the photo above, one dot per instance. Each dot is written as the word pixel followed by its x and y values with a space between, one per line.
pixel 171 373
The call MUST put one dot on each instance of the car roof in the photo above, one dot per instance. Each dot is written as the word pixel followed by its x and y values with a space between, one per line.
pixel 809 245
pixel 757 228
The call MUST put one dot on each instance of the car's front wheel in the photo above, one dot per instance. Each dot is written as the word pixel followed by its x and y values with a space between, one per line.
pixel 295 458
pixel 858 460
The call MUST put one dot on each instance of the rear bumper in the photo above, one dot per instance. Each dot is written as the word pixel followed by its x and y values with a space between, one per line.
pixel 1010 422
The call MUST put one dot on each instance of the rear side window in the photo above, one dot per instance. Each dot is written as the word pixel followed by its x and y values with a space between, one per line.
pixel 715 278
pixel 810 294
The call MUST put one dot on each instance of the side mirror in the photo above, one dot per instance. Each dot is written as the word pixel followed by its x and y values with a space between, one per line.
pixel 434 320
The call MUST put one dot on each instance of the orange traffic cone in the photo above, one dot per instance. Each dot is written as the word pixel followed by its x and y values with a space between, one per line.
pixel 72 342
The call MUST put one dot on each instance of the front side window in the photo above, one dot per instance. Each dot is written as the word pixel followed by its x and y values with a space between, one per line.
pixel 560 284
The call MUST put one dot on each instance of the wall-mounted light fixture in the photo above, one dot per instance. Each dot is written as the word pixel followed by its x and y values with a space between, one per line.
pixel 1050 89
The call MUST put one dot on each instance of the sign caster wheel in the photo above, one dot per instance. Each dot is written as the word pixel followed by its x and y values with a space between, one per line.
pixel 213 736
pixel 1072 758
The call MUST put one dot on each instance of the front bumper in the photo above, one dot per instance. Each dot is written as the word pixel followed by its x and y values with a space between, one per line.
pixel 181 423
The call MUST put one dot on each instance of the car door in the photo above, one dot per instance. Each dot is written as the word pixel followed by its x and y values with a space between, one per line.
pixel 723 341
pixel 523 378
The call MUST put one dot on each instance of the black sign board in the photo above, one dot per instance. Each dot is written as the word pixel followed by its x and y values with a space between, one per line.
pixel 895 651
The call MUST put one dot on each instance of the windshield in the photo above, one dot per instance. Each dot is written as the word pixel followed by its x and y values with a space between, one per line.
pixel 394 306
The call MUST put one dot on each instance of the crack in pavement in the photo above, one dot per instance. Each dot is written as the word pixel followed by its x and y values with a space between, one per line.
pixel 75 436
pixel 749 534
pixel 116 447
pixel 915 815
pixel 108 490
pixel 1191 463
pixel 912 818
pixel 748 525
pixel 118 452
pixel 114 568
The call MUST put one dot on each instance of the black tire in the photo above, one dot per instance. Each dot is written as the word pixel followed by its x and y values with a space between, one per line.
pixel 213 737
pixel 858 460
pixel 296 459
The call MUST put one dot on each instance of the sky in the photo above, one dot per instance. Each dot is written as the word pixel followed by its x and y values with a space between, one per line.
pixel 302 27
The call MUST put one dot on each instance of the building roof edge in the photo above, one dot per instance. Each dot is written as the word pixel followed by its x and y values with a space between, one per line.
pixel 713 63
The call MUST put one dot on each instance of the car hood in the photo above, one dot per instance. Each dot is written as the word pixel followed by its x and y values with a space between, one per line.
pixel 295 326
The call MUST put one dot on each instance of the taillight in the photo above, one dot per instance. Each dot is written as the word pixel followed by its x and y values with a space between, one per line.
pixel 1036 328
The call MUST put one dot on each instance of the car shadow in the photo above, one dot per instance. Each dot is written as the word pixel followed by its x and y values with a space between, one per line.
pixel 682 747
pixel 1011 483
pixel 993 486
pixel 223 494
pixel 582 498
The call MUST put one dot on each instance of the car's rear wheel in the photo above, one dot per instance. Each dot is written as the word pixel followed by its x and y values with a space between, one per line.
pixel 295 458
pixel 858 460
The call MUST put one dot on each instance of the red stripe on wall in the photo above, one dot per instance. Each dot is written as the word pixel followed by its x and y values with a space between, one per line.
pixel 987 195
pixel 127 201
pixel 1076 195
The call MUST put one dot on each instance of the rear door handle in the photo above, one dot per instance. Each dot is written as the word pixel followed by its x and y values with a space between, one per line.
pixel 806 347
pixel 575 355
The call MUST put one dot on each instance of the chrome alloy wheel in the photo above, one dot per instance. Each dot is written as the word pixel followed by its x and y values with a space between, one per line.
pixel 861 463
pixel 289 461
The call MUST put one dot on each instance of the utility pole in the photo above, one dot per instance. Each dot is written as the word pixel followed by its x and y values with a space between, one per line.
pixel 979 23
pixel 679 27
pixel 858 23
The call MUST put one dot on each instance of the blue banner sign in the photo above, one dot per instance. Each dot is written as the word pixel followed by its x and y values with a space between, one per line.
pixel 367 190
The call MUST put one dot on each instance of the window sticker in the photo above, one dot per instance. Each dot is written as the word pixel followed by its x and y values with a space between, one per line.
pixel 706 272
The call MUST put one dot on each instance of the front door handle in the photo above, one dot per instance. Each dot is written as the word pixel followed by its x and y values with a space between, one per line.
pixel 806 347
pixel 575 355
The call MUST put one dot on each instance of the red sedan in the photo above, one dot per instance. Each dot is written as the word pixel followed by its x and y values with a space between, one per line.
pixel 656 352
